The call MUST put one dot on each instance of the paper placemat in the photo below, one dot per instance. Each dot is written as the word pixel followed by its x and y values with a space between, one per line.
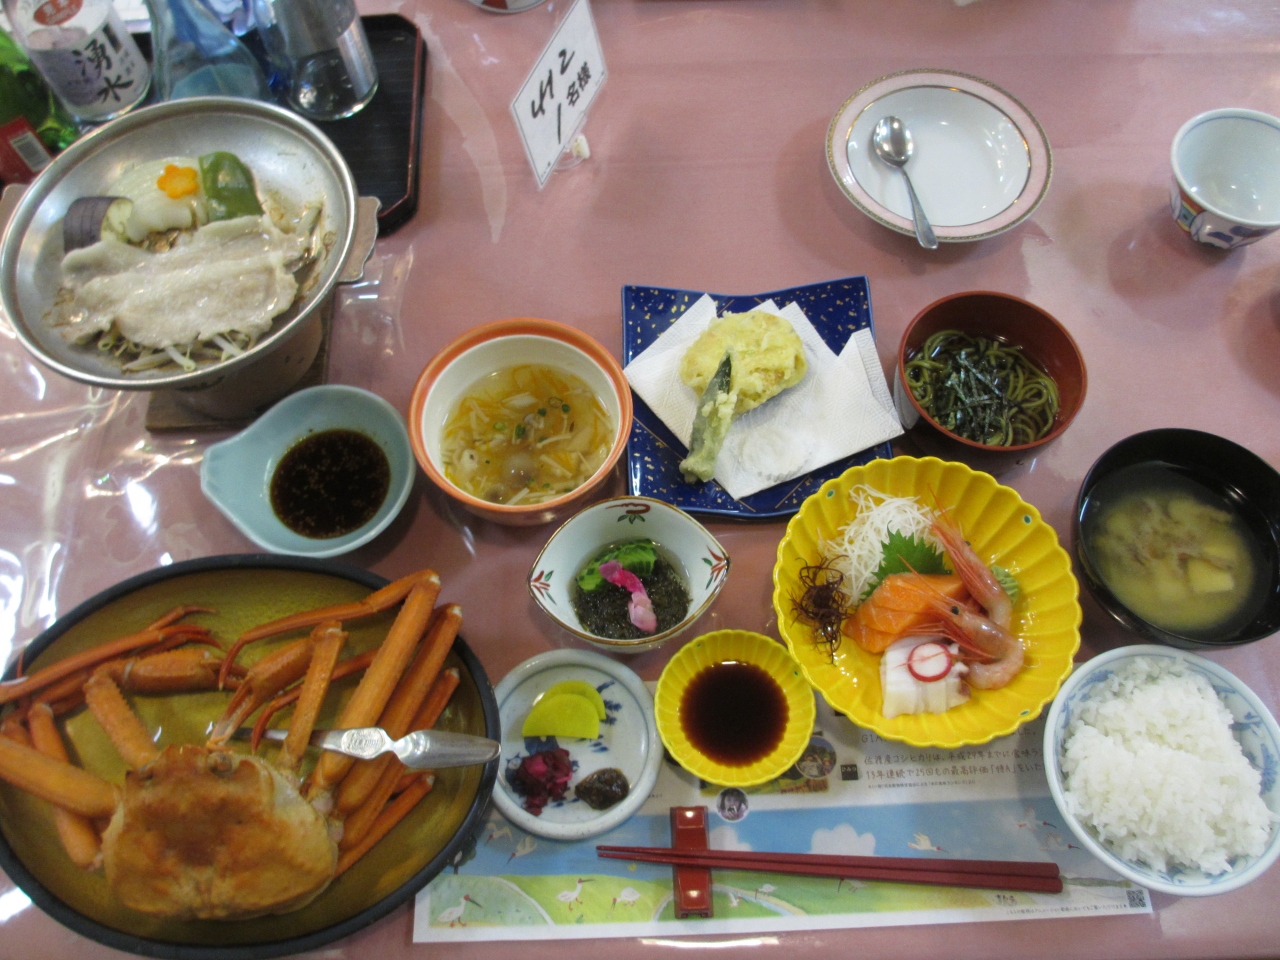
pixel 851 793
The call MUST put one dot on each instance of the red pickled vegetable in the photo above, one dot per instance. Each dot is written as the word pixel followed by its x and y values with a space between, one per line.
pixel 640 609
pixel 543 777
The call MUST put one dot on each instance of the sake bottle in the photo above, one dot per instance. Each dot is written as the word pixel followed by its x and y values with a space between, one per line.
pixel 84 53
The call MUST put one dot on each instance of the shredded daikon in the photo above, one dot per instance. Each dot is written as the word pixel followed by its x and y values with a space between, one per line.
pixel 858 550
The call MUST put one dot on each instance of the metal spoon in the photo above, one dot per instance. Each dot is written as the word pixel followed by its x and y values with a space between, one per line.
pixel 893 145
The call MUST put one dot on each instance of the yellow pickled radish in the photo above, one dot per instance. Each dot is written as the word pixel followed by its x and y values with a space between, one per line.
pixel 563 715
pixel 582 689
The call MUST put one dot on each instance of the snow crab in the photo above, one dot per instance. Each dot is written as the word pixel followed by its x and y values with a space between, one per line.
pixel 202 831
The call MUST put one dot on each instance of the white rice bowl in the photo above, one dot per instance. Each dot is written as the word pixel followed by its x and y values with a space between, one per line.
pixel 1165 767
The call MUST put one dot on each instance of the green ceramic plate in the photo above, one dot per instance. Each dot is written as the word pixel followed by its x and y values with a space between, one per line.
pixel 244 590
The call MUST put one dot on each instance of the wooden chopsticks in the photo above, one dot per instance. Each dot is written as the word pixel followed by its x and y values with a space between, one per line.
pixel 1031 876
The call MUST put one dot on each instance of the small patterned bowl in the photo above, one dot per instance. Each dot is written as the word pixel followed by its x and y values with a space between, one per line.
pixel 694 551
pixel 741 646
pixel 628 742
pixel 1254 728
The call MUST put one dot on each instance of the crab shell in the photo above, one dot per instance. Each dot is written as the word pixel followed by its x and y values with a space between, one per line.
pixel 205 833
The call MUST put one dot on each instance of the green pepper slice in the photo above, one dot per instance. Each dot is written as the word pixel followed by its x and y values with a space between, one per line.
pixel 228 187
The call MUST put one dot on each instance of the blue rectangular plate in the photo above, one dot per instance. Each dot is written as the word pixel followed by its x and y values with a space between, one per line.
pixel 837 309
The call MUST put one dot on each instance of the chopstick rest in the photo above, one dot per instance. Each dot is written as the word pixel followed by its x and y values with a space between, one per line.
pixel 691 885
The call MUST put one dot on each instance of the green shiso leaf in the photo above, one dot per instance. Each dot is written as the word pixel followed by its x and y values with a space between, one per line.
pixel 902 554
pixel 637 556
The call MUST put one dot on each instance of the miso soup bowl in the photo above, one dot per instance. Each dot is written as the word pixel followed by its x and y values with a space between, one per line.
pixel 1239 476
pixel 686 543
pixel 496 346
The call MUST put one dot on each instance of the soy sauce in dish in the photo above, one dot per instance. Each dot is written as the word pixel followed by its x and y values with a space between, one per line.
pixel 734 713
pixel 330 483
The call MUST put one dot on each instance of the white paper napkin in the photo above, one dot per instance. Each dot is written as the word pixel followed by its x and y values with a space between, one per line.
pixel 842 405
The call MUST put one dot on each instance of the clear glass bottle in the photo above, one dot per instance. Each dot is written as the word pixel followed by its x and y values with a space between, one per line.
pixel 320 48
pixel 84 53
pixel 33 124
pixel 195 55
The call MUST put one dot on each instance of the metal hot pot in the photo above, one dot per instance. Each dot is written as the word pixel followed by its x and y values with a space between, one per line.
pixel 288 156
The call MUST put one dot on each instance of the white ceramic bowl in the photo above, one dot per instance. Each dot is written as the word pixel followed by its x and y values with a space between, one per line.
pixel 1226 177
pixel 695 552
pixel 495 346
pixel 1254 728
pixel 628 741
pixel 236 473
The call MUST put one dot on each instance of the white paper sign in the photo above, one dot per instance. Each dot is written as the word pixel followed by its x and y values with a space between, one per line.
pixel 553 102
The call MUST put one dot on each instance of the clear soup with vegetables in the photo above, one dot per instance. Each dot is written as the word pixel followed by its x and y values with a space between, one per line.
pixel 525 435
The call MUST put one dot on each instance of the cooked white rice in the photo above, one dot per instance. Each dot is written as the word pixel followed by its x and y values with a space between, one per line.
pixel 1151 765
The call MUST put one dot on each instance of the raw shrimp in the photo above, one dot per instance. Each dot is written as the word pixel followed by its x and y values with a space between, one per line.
pixel 977 576
pixel 1001 651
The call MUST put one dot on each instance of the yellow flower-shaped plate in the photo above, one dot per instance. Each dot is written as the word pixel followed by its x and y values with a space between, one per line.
pixel 741 646
pixel 1003 529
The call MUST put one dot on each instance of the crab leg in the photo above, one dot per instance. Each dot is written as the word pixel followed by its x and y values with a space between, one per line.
pixel 404 703
pixel 172 671
pixel 79 838
pixel 264 680
pixel 344 669
pixel 60 783
pixel 14 729
pixel 387 769
pixel 329 638
pixel 68 690
pixel 396 811
pixel 159 632
pixel 378 682
pixel 118 722
pixel 376 602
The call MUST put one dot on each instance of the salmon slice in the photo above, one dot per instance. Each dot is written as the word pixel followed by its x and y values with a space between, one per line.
pixel 899 606
pixel 870 640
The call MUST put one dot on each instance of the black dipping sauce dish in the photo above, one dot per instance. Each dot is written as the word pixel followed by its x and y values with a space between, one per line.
pixel 1249 485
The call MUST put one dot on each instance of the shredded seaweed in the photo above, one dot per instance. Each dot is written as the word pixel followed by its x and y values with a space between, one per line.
pixel 823 604
pixel 983 389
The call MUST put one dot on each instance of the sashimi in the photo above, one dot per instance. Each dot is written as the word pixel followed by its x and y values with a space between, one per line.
pixel 869 639
pixel 901 591
pixel 904 693
pixel 900 605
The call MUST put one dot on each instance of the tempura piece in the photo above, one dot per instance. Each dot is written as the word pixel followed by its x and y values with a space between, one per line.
pixel 760 354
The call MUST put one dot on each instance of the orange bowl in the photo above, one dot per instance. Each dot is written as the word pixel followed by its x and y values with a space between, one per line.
pixel 494 346
pixel 983 313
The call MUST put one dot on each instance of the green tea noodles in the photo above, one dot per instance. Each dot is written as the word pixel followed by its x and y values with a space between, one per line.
pixel 982 389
